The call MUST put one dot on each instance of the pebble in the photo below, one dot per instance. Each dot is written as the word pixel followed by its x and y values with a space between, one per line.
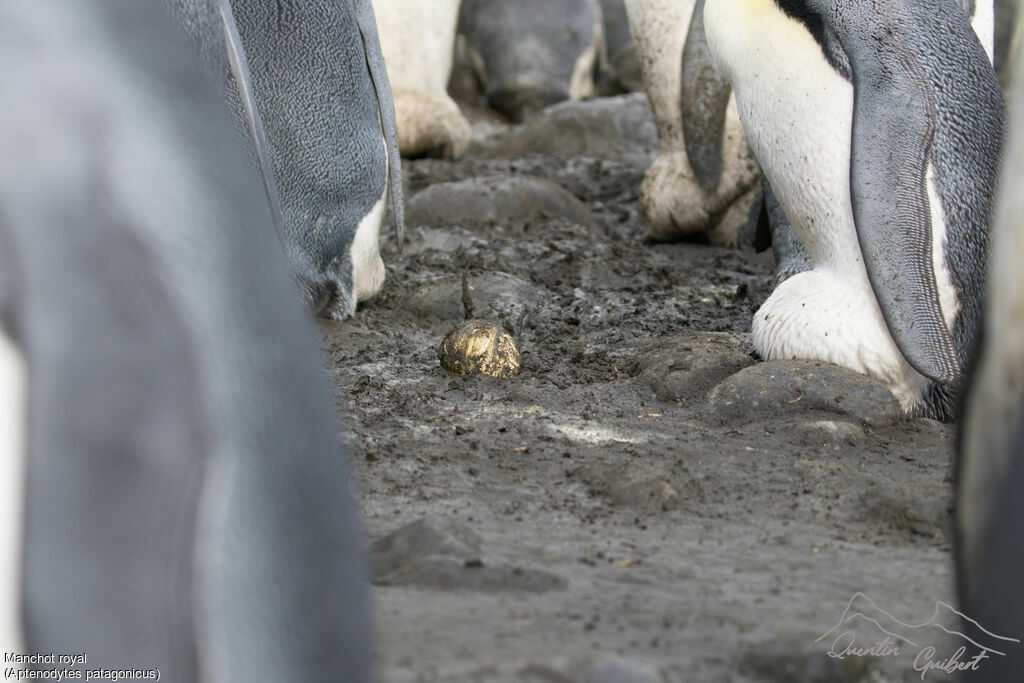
pixel 686 366
pixel 591 669
pixel 494 200
pixel 494 294
pixel 619 128
pixel 442 554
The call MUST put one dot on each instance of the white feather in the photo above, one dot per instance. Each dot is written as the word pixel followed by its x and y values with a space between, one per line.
pixel 12 484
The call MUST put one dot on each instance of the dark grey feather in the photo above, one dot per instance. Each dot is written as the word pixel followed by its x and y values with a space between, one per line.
pixel 240 71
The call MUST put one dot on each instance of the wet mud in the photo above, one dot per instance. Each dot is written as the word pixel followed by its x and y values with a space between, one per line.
pixel 643 501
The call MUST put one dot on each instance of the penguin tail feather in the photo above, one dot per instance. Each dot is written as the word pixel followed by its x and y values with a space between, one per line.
pixel 941 402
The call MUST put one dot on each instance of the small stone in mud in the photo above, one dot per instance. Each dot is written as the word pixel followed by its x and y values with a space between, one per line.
pixel 685 366
pixel 495 200
pixel 795 660
pixel 480 347
pixel 427 537
pixel 602 668
pixel 445 555
pixel 925 508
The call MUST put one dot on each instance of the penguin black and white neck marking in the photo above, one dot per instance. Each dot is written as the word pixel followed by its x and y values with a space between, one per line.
pixel 879 132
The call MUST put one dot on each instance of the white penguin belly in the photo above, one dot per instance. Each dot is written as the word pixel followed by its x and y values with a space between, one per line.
pixel 983 23
pixel 798 114
pixel 367 265
pixel 13 394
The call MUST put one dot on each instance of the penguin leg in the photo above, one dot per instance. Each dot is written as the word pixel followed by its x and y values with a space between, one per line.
pixel 791 256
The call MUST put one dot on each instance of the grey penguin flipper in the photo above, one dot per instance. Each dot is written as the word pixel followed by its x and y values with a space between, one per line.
pixel 704 99
pixel 894 126
pixel 385 101
pixel 240 70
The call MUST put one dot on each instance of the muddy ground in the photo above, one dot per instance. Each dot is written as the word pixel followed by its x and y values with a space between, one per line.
pixel 627 508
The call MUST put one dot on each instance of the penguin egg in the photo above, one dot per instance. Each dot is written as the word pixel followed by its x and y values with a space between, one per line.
pixel 480 346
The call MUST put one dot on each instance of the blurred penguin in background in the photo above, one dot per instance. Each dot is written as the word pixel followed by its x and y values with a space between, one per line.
pixel 990 471
pixel 175 494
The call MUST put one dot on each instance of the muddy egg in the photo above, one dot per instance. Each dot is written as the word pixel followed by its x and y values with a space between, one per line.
pixel 480 346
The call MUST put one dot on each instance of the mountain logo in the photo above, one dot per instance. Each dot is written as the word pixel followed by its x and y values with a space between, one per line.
pixel 867 630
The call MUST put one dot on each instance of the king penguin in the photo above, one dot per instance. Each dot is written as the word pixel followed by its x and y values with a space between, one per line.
pixel 990 468
pixel 174 494
pixel 879 128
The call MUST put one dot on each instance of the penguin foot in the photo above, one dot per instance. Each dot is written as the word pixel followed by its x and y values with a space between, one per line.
pixel 430 125
pixel 676 208
pixel 823 316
